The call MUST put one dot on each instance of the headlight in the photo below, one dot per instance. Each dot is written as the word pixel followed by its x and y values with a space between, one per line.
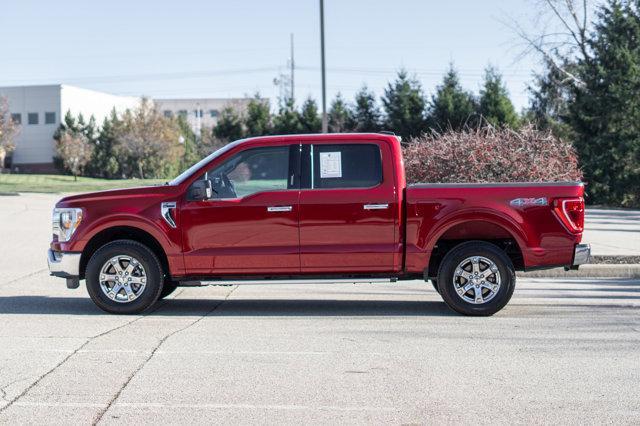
pixel 65 222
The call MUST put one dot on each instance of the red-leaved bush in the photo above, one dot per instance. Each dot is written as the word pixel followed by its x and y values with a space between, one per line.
pixel 491 155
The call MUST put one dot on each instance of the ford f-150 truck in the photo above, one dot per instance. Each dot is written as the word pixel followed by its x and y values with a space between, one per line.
pixel 317 208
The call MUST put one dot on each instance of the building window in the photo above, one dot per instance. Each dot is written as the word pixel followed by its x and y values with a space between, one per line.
pixel 182 113
pixel 49 118
pixel 168 113
pixel 32 118
pixel 16 117
pixel 214 113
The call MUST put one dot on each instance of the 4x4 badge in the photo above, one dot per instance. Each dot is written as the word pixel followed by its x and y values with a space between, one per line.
pixel 525 202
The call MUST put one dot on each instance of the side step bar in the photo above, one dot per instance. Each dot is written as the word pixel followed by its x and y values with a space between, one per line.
pixel 291 281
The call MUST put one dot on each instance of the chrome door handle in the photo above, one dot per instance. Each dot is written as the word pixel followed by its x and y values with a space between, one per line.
pixel 279 209
pixel 376 206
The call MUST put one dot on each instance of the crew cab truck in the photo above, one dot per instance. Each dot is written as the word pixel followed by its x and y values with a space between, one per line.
pixel 318 208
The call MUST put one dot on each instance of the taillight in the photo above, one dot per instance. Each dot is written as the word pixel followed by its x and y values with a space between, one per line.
pixel 571 213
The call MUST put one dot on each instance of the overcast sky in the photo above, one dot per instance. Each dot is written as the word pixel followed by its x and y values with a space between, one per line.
pixel 201 48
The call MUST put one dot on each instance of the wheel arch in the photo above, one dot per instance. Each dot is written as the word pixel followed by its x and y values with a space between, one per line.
pixel 122 233
pixel 486 228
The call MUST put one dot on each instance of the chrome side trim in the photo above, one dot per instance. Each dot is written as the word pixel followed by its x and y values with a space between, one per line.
pixel 279 208
pixel 376 206
pixel 581 254
pixel 63 263
pixel 165 211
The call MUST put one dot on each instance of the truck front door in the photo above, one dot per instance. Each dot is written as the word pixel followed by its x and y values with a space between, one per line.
pixel 251 223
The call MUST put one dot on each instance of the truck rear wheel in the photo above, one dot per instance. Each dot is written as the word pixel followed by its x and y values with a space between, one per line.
pixel 476 278
pixel 124 277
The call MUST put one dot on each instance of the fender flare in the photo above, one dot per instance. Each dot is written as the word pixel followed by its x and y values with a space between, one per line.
pixel 506 222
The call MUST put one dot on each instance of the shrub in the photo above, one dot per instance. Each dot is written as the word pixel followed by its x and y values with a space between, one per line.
pixel 491 155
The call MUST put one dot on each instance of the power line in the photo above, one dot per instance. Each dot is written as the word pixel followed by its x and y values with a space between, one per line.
pixel 179 75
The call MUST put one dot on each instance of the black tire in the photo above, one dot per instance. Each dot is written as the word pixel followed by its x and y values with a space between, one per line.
pixel 168 288
pixel 434 283
pixel 467 250
pixel 147 259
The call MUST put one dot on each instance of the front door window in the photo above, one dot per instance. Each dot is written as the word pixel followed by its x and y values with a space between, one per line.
pixel 251 171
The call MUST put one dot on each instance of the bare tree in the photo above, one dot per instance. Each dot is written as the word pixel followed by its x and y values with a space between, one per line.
pixel 558 34
pixel 149 140
pixel 75 151
pixel 8 131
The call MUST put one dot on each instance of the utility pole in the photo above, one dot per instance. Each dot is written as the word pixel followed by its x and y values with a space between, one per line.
pixel 293 67
pixel 325 124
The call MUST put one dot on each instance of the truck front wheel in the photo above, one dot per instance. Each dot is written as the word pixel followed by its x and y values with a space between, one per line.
pixel 476 278
pixel 124 277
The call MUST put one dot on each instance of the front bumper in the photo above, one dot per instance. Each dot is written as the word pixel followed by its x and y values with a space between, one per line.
pixel 581 254
pixel 64 264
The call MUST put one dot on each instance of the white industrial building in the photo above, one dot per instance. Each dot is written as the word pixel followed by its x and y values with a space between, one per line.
pixel 200 113
pixel 40 109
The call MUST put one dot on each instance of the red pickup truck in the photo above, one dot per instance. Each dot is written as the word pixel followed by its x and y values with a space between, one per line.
pixel 317 208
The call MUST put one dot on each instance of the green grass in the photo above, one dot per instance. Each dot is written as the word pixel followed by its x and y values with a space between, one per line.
pixel 13 183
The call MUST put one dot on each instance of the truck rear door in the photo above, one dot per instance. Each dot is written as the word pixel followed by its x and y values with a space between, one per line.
pixel 348 207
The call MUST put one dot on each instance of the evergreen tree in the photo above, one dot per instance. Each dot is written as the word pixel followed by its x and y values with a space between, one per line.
pixel 287 121
pixel 68 123
pixel 404 105
pixel 495 106
pixel 310 120
pixel 548 105
pixel 229 126
pixel 451 106
pixel 605 109
pixel 91 129
pixel 340 116
pixel 80 123
pixel 258 118
pixel 366 114
pixel 104 162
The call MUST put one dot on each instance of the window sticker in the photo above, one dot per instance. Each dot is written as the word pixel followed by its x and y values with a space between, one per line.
pixel 330 165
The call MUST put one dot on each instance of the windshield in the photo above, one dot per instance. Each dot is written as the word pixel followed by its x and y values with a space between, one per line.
pixel 191 170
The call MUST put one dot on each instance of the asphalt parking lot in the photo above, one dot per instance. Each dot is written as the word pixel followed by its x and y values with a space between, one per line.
pixel 562 351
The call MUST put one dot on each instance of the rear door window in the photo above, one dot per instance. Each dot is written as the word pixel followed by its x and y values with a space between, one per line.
pixel 342 166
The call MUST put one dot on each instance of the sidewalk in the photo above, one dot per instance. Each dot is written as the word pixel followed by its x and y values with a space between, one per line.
pixel 612 232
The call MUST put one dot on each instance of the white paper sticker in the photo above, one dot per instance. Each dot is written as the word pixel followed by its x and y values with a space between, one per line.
pixel 330 165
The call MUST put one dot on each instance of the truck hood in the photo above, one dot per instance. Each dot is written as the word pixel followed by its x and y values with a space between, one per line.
pixel 114 195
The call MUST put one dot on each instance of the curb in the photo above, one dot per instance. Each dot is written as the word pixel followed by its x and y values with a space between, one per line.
pixel 588 271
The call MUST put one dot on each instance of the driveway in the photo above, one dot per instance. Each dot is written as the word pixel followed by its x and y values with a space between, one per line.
pixel 563 351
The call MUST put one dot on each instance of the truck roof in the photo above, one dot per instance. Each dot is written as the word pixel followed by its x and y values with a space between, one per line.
pixel 356 137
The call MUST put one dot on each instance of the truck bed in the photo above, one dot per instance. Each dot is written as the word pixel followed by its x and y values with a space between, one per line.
pixel 524 214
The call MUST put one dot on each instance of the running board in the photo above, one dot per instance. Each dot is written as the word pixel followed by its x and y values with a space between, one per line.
pixel 291 281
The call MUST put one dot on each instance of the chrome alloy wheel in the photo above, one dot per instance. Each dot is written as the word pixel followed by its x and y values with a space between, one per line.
pixel 122 279
pixel 476 280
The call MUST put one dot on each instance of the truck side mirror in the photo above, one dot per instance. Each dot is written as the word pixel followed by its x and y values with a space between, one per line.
pixel 201 190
